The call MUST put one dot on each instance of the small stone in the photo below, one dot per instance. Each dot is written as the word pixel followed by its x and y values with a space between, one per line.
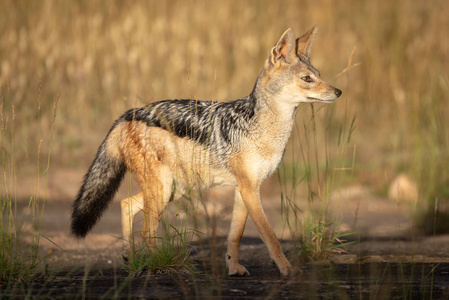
pixel 403 189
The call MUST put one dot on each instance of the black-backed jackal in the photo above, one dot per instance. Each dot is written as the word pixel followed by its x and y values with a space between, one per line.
pixel 180 142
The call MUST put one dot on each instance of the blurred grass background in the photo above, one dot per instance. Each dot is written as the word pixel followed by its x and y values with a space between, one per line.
pixel 100 58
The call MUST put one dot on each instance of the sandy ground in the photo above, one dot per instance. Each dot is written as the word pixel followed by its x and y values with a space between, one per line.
pixel 383 235
pixel 372 219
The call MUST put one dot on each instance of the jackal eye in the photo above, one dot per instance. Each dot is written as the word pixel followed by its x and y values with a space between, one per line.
pixel 307 78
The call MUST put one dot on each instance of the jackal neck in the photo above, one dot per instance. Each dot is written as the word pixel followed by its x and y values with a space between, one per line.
pixel 271 104
pixel 274 121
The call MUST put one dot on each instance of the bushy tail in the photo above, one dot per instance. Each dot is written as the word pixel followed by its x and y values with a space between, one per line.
pixel 99 187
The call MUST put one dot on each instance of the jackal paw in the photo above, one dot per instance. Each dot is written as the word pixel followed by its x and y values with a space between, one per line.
pixel 290 271
pixel 237 270
pixel 286 271
pixel 126 255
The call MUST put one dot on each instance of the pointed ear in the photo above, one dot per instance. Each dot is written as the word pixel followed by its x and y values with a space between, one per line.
pixel 284 49
pixel 304 42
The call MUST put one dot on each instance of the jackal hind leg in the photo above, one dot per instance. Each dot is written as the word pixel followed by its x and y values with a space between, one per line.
pixel 238 222
pixel 129 207
pixel 157 190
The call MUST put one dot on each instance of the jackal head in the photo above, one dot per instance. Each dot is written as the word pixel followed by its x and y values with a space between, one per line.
pixel 289 75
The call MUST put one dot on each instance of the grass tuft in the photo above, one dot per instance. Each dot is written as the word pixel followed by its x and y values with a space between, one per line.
pixel 318 241
pixel 170 255
pixel 19 240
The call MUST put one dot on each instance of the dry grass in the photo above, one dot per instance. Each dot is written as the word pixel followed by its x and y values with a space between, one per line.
pixel 102 57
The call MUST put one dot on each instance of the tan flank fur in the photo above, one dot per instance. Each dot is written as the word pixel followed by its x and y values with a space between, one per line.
pixel 180 143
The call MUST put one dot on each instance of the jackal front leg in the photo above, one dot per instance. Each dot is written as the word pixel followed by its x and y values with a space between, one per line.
pixel 130 207
pixel 253 204
pixel 239 217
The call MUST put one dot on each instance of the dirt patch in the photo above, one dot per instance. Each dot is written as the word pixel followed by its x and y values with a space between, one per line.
pixel 102 276
pixel 387 261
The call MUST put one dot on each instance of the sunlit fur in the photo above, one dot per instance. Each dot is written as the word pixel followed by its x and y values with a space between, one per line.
pixel 175 144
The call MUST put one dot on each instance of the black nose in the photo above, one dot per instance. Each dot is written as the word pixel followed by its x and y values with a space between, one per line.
pixel 337 92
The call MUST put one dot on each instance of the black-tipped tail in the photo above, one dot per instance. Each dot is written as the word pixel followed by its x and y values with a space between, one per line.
pixel 99 187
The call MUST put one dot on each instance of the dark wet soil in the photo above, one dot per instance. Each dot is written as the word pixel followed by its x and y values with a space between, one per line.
pixel 359 280
pixel 387 261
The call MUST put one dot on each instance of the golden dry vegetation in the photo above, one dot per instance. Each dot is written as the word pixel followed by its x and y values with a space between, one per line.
pixel 99 58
